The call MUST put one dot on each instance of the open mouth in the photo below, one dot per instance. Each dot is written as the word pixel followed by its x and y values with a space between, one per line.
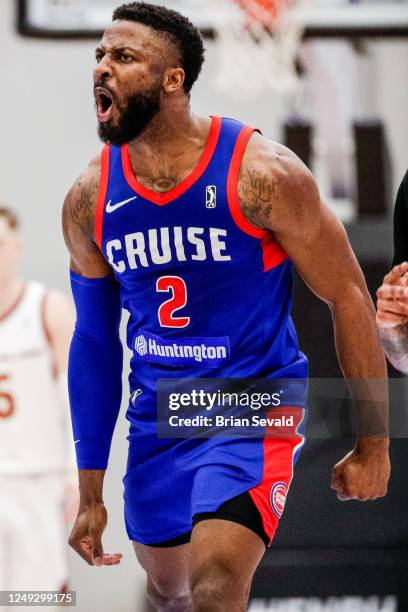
pixel 104 104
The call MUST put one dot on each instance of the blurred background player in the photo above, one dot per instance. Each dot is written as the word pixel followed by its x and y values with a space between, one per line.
pixel 37 479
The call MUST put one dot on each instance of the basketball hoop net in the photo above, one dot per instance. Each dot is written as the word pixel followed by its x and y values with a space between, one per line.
pixel 258 42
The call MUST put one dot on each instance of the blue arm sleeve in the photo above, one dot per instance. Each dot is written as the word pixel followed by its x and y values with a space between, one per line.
pixel 95 368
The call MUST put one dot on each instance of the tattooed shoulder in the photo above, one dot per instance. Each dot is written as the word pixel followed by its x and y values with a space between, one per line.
pixel 80 203
pixel 275 188
pixel 257 191
pixel 83 204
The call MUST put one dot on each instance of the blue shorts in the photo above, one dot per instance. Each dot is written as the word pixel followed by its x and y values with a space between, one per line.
pixel 168 481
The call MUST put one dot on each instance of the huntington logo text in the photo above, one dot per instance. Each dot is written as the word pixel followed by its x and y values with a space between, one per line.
pixel 182 351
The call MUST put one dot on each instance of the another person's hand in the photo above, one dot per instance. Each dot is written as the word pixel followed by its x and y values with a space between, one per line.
pixel 86 536
pixel 392 302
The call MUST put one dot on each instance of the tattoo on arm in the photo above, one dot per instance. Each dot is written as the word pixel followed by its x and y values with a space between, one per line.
pixel 82 207
pixel 79 208
pixel 78 216
pixel 256 193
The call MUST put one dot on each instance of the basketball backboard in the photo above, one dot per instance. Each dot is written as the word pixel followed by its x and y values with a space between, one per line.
pixel 321 18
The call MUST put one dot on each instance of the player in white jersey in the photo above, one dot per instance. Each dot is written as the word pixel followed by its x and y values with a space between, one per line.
pixel 37 482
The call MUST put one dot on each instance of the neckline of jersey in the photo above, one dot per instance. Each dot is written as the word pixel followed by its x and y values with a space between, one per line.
pixel 195 174
pixel 11 309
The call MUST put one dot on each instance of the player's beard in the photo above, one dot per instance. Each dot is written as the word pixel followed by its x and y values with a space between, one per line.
pixel 140 109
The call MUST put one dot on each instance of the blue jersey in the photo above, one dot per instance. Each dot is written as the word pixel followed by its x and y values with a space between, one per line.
pixel 208 294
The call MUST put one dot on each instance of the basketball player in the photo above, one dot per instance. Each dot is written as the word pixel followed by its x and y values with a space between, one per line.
pixel 199 511
pixel 37 478
pixel 392 303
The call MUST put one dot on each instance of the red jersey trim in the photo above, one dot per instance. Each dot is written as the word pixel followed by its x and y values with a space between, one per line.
pixel 13 307
pixel 232 185
pixel 176 192
pixel 103 188
pixel 272 253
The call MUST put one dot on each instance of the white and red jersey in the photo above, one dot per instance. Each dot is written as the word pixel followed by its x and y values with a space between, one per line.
pixel 31 428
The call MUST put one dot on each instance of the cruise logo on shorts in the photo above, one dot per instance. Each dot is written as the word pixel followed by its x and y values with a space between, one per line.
pixel 209 352
pixel 278 498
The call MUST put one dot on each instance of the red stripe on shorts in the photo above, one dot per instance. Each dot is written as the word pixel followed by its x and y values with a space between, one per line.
pixel 279 447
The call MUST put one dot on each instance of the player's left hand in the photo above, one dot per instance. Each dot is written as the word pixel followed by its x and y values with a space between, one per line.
pixel 362 475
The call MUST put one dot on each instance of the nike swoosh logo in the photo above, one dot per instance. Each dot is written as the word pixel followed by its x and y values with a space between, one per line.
pixel 135 395
pixel 112 207
pixel 76 441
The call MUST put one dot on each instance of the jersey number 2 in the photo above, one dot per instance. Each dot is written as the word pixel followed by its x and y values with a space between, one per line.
pixel 178 300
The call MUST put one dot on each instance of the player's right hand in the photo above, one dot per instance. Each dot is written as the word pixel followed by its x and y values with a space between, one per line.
pixel 86 536
pixel 392 302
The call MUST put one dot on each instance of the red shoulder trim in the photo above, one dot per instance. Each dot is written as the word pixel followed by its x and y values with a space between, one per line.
pixel 176 192
pixel 103 188
pixel 232 185
pixel 272 253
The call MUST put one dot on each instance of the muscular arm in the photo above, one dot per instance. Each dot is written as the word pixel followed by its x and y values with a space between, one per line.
pixel 78 216
pixel 91 348
pixel 277 192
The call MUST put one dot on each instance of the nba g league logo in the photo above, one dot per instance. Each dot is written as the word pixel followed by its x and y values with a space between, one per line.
pixel 210 196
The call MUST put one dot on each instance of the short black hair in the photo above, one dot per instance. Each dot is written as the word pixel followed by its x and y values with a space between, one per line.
pixel 178 28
